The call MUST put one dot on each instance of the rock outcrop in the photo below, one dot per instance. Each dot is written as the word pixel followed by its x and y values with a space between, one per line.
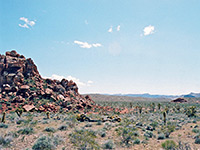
pixel 21 85
pixel 179 100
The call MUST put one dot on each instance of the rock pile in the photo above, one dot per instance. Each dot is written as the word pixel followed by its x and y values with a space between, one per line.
pixel 22 86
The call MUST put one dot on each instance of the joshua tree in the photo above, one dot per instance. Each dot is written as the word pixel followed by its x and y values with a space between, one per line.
pixel 19 112
pixel 47 113
pixel 3 117
pixel 159 106
pixel 164 117
pixel 140 109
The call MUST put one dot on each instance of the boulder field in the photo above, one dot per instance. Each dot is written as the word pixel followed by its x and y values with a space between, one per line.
pixel 21 86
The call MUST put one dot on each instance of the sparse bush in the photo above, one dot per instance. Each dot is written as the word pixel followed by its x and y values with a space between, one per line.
pixel 161 136
pixel 196 130
pixel 84 139
pixel 47 143
pixel 49 129
pixel 5 141
pixel 108 145
pixel 136 141
pixel 102 133
pixel 62 128
pixel 169 145
pixel 88 125
pixel 148 134
pixel 3 125
pixel 197 141
pixel 25 131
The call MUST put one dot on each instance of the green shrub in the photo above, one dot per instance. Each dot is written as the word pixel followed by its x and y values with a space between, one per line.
pixel 169 145
pixel 196 130
pixel 5 141
pixel 137 141
pixel 161 136
pixel 25 131
pixel 148 134
pixel 108 145
pixel 84 139
pixel 49 129
pixel 47 143
pixel 197 141
pixel 62 128
pixel 3 125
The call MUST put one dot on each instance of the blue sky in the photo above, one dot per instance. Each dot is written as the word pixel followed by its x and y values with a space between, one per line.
pixel 108 46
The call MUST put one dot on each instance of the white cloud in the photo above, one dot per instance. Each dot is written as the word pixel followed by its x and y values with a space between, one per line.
pixel 118 28
pixel 76 80
pixel 27 23
pixel 110 29
pixel 149 30
pixel 96 45
pixel 87 45
pixel 24 25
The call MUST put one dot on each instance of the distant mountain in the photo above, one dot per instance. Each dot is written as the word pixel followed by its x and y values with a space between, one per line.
pixel 147 95
pixel 192 95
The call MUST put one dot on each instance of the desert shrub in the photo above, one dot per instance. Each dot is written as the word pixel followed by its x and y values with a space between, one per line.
pixel 62 128
pixel 196 130
pixel 197 141
pixel 47 143
pixel 99 123
pixel 169 144
pixel 108 145
pixel 84 139
pixel 127 135
pixel 5 141
pixel 45 122
pixel 161 136
pixel 49 129
pixel 183 146
pixel 26 131
pixel 102 133
pixel 19 121
pixel 148 134
pixel 136 141
pixel 88 125
pixel 191 111
pixel 154 124
pixel 3 125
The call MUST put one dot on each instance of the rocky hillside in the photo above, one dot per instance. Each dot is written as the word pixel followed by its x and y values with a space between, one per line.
pixel 21 85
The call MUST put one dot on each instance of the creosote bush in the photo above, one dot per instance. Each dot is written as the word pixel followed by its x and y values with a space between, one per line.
pixel 84 139
pixel 47 143
pixel 169 145
pixel 108 145
pixel 26 131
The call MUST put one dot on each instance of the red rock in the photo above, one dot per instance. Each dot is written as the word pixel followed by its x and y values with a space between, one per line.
pixel 24 87
pixel 179 100
pixel 48 91
pixel 28 107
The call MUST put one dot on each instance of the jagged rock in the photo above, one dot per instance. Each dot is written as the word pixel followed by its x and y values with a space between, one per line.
pixel 28 107
pixel 48 91
pixel 24 87
pixel 21 84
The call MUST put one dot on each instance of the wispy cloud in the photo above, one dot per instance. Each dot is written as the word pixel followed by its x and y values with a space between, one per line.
pixel 87 45
pixel 86 22
pixel 76 80
pixel 114 48
pixel 148 30
pixel 118 28
pixel 110 29
pixel 27 23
